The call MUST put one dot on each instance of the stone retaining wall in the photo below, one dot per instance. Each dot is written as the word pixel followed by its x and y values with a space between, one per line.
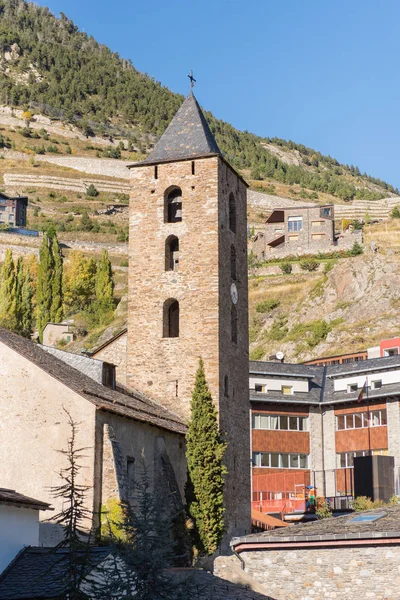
pixel 343 573
pixel 21 181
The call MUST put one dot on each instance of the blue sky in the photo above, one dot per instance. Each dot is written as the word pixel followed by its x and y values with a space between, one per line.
pixel 322 73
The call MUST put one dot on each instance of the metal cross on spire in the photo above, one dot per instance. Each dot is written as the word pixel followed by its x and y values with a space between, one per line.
pixel 192 80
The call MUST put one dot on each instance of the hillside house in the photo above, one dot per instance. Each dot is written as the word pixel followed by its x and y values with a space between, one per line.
pixel 13 210
pixel 298 230
pixel 54 333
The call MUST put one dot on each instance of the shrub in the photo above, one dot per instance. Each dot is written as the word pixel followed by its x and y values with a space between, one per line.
pixel 323 510
pixel 279 329
pixel 286 267
pixel 362 503
pixel 68 150
pixel 52 149
pixel 257 353
pixel 267 305
pixel 356 249
pixel 309 264
pixel 395 214
pixel 92 191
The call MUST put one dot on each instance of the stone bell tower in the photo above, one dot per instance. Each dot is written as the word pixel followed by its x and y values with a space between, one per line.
pixel 188 288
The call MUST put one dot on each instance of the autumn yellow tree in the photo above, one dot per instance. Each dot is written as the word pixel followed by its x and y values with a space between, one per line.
pixel 79 281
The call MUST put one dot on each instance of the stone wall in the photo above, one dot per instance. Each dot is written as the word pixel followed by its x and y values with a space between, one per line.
pixel 343 573
pixel 22 181
pixel 115 353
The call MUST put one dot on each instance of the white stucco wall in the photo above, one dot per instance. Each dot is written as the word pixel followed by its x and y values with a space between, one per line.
pixel 387 377
pixel 34 428
pixel 276 383
pixel 19 527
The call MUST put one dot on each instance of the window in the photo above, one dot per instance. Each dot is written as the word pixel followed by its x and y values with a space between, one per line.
pixel 317 236
pixel 279 422
pixel 326 212
pixel 282 460
pixel 233 263
pixel 173 205
pixel 234 329
pixel 226 386
pixel 130 474
pixel 295 223
pixel 260 389
pixel 171 253
pixel 193 167
pixel 390 351
pixel 171 319
pixel 232 213
pixel 316 224
pixel 287 390
pixel 352 387
pixel 377 384
pixel 360 419
pixel 156 172
pixel 293 238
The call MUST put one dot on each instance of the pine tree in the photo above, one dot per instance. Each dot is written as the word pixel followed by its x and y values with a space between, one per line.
pixel 104 285
pixel 44 285
pixel 8 317
pixel 205 451
pixel 56 310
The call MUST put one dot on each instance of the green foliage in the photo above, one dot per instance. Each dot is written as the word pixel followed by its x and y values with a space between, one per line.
pixel 257 353
pixel 356 249
pixel 104 284
pixel 49 290
pixel 267 305
pixel 205 451
pixel 279 329
pixel 362 503
pixel 56 309
pixel 79 281
pixel 328 266
pixel 395 214
pixel 8 305
pixel 323 510
pixel 91 191
pixel 309 264
pixel 312 333
pixel 112 520
pixel 286 267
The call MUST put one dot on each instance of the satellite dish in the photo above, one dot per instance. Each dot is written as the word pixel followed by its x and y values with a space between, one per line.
pixel 280 355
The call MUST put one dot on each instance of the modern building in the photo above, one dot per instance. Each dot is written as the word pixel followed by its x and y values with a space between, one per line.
pixel 309 422
pixel 389 347
pixel 298 230
pixel 13 210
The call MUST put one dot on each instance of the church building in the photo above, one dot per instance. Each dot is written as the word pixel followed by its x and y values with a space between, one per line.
pixel 188 287
pixel 187 300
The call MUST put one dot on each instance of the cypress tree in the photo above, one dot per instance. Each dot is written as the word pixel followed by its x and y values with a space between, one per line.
pixel 205 451
pixel 19 282
pixel 7 293
pixel 26 305
pixel 44 285
pixel 104 285
pixel 56 310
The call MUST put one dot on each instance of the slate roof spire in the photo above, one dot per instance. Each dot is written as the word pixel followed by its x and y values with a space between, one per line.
pixel 187 136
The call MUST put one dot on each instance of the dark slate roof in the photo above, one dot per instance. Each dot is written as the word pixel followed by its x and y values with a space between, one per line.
pixel 133 405
pixel 321 380
pixel 187 136
pixel 12 497
pixel 38 573
pixel 334 528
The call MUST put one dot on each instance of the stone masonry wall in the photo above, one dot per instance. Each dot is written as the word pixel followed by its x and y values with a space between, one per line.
pixel 343 573
pixel 115 353
pixel 163 367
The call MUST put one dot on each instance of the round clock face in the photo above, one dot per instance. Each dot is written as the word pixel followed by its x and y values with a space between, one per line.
pixel 234 293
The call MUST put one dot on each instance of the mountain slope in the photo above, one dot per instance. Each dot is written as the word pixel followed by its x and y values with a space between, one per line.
pixel 47 63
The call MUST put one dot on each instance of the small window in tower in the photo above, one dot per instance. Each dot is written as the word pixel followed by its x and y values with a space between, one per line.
pixel 233 263
pixel 173 205
pixel 234 332
pixel 171 318
pixel 171 253
pixel 226 386
pixel 156 172
pixel 232 213
pixel 130 473
pixel 193 168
